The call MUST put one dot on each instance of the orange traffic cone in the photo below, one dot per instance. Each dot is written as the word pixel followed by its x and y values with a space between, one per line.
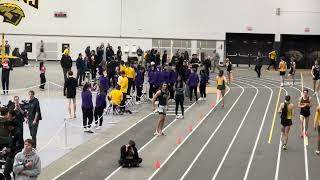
pixel 179 140
pixel 190 128
pixel 157 164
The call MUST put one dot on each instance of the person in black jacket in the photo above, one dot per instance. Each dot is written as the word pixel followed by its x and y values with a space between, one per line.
pixel 24 57
pixel 93 64
pixel 129 155
pixel 81 66
pixel 6 68
pixel 111 69
pixel 70 90
pixel 119 53
pixel 66 63
pixel 164 57
pixel 15 146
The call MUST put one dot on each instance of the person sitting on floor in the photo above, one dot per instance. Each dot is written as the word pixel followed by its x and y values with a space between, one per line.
pixel 129 155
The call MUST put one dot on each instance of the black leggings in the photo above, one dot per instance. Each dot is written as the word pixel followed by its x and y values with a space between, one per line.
pixel 98 111
pixel 272 63
pixel 139 92
pixel 203 92
pixel 195 90
pixel 123 102
pixel 130 85
pixel 87 114
pixel 151 91
pixel 258 70
pixel 179 101
pixel 5 80
pixel 42 80
pixel 171 91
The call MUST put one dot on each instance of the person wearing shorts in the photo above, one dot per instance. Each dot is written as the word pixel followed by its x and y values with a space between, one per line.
pixel 304 104
pixel 162 95
pixel 292 70
pixel 286 111
pixel 221 87
pixel 316 126
pixel 70 90
pixel 229 69
pixel 315 72
pixel 282 70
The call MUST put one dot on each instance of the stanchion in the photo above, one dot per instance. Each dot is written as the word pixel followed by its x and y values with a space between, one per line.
pixel 65 135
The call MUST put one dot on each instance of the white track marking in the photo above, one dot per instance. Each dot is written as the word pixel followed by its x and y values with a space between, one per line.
pixel 236 134
pixel 260 130
pixel 184 140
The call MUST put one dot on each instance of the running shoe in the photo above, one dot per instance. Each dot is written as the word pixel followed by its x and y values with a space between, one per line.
pixel 317 152
pixel 284 147
pixel 98 128
pixel 177 117
pixel 181 117
pixel 89 131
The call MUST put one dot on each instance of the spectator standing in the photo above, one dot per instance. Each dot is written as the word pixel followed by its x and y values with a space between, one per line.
pixel 66 63
pixel 81 66
pixel 70 90
pixel 34 116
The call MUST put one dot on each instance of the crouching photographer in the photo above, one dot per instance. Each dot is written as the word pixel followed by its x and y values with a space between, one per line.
pixel 129 155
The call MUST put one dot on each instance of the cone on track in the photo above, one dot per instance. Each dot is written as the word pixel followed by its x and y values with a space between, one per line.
pixel 212 105
pixel 179 140
pixel 157 164
pixel 190 128
pixel 200 114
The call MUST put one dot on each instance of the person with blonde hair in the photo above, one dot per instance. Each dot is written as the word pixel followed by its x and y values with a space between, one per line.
pixel 66 63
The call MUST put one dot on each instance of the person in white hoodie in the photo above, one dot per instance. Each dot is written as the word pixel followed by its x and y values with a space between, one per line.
pixel 27 164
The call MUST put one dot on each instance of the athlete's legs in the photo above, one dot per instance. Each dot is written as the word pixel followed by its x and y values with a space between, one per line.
pixel 69 107
pixel 286 132
pixel 222 96
pixel 74 107
pixel 301 125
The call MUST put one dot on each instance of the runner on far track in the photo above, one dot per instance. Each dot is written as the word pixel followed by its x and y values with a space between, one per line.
pixel 292 70
pixel 221 86
pixel 315 72
pixel 282 69
pixel 229 69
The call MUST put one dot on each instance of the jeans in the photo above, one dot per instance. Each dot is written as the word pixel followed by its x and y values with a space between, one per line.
pixel 33 128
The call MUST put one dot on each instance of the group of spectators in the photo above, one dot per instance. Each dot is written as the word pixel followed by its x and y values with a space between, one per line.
pixel 19 155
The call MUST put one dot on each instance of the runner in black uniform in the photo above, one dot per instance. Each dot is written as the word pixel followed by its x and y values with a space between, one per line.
pixel 315 72
pixel 304 104
pixel 229 69
pixel 162 96
pixel 292 71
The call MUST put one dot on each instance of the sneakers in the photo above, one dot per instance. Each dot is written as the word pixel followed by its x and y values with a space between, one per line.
pixel 284 147
pixel 200 99
pixel 90 131
pixel 317 152
pixel 281 84
pixel 138 102
pixel 85 129
pixel 182 117
pixel 98 128
pixel 177 117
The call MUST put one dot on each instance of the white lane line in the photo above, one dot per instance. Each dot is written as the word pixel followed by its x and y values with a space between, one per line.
pixel 214 132
pixel 235 136
pixel 212 135
pixel 306 164
pixel 101 147
pixel 260 130
pixel 276 176
pixel 184 140
pixel 118 169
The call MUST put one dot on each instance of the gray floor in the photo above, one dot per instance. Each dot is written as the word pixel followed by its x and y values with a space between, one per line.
pixel 226 138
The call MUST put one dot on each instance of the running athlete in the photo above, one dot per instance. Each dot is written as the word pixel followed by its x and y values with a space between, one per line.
pixel 41 51
pixel 286 110
pixel 229 69
pixel 292 71
pixel 304 104
pixel 162 96
pixel 315 125
pixel 315 72
pixel 282 68
pixel 221 86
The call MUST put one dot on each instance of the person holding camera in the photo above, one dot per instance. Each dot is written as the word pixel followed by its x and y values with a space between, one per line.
pixel 27 164
pixel 129 155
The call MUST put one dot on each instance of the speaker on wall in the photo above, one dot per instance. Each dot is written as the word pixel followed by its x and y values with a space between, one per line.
pixel 28 47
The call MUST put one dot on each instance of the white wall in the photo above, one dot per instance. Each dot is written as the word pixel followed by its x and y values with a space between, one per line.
pixel 102 20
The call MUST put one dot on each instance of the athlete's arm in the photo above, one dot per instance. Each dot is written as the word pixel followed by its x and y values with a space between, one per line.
pixel 312 71
pixel 280 108
pixel 154 99
pixel 300 104
pixel 316 118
